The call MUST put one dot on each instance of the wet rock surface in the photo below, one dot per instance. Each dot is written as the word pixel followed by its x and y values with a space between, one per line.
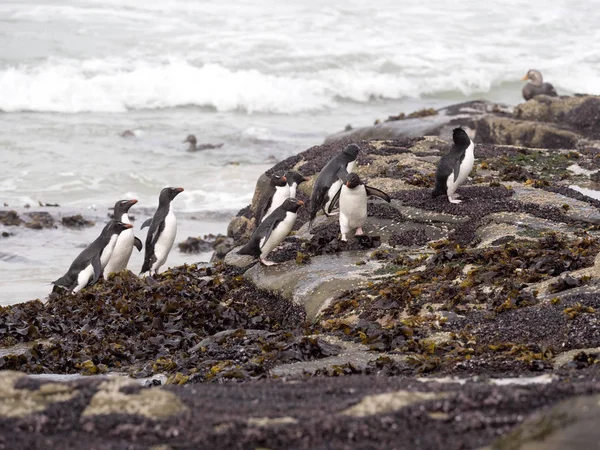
pixel 403 336
pixel 542 122
pixel 345 412
pixel 76 221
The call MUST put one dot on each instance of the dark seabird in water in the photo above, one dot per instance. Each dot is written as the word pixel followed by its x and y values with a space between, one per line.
pixel 194 147
pixel 537 85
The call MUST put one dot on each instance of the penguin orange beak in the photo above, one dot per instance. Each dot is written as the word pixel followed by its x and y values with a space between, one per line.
pixel 133 201
pixel 347 184
pixel 300 202
pixel 525 77
pixel 284 178
pixel 128 225
pixel 180 189
pixel 306 178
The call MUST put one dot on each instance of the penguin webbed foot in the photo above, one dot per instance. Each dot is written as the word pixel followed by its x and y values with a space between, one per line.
pixel 266 262
pixel 359 232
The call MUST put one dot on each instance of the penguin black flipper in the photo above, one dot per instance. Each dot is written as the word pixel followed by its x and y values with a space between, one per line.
pixel 66 282
pixel 263 207
pixel 318 201
pixel 444 170
pixel 456 167
pixel 334 201
pixel 371 191
pixel 146 223
pixel 251 248
pixel 342 174
pixel 153 234
pixel 97 267
pixel 138 243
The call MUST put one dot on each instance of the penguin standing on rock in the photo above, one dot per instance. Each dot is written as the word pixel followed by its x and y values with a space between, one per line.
pixel 330 179
pixel 454 167
pixel 272 231
pixel 89 263
pixel 275 194
pixel 294 179
pixel 162 232
pixel 352 198
pixel 125 242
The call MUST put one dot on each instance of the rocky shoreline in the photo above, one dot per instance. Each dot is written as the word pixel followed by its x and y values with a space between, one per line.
pixel 402 339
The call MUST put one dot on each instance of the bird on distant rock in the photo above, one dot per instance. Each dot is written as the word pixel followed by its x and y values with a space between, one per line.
pixel 194 147
pixel 537 85
pixel 454 167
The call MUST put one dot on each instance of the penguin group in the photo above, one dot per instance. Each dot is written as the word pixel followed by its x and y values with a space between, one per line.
pixel 338 187
pixel 111 251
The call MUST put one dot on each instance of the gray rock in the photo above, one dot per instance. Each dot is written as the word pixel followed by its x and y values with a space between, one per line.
pixel 570 425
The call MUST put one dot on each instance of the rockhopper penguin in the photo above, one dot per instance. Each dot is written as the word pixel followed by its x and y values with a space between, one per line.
pixel 454 167
pixel 90 263
pixel 272 231
pixel 162 232
pixel 352 199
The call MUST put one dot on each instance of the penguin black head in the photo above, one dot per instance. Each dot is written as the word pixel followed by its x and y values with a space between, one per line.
pixel 292 204
pixel 460 137
pixel 278 180
pixel 168 194
pixel 191 138
pixel 122 206
pixel 295 177
pixel 351 151
pixel 352 180
pixel 115 227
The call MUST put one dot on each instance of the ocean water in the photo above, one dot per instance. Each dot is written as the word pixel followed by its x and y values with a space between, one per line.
pixel 267 79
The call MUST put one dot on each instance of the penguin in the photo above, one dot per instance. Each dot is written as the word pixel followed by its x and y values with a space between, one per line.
pixel 454 167
pixel 161 235
pixel 537 85
pixel 272 231
pixel 330 179
pixel 90 262
pixel 126 241
pixel 294 179
pixel 275 194
pixel 352 198
pixel 194 147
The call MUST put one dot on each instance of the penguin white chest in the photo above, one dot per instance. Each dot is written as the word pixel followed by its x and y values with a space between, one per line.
pixel 465 168
pixel 353 208
pixel 122 251
pixel 278 234
pixel 165 240
pixel 293 187
pixel 108 251
pixel 331 192
pixel 335 187
pixel 84 277
pixel 280 195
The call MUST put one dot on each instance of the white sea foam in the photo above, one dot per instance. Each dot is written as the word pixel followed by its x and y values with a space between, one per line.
pixel 71 86
pixel 280 58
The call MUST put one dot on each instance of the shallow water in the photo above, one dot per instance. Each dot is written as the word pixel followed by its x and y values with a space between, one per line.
pixel 267 79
